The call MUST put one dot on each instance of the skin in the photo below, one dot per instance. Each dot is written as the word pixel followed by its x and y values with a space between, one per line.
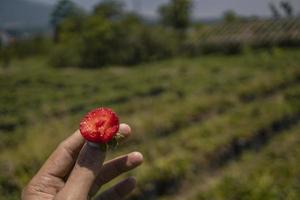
pixel 76 170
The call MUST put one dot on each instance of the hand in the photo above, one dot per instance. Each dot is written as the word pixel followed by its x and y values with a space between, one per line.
pixel 75 170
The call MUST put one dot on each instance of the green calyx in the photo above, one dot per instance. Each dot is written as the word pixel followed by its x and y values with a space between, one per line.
pixel 114 143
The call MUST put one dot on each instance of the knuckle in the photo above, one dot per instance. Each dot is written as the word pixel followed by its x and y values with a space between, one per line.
pixel 64 146
pixel 30 191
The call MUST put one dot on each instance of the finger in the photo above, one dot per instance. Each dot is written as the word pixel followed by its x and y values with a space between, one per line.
pixel 62 160
pixel 119 191
pixel 124 130
pixel 114 168
pixel 85 171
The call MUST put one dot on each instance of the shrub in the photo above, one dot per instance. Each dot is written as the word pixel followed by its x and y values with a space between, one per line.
pixel 102 42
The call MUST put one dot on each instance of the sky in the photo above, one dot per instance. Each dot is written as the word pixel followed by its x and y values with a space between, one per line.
pixel 201 8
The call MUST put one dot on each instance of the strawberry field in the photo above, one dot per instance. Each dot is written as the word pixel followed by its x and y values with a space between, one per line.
pixel 213 127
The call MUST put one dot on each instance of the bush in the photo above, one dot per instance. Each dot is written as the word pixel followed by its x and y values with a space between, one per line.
pixel 65 55
pixel 37 45
pixel 145 44
pixel 103 42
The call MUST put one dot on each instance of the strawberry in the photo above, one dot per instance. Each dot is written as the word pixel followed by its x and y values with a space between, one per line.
pixel 99 125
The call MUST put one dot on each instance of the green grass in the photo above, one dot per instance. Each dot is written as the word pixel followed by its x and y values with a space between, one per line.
pixel 271 174
pixel 185 114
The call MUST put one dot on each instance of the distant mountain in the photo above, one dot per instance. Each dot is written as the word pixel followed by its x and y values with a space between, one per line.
pixel 23 14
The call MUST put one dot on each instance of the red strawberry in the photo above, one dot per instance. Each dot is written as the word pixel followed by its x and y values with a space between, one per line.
pixel 100 125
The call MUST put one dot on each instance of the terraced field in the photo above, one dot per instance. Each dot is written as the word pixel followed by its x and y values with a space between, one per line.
pixel 215 127
pixel 272 173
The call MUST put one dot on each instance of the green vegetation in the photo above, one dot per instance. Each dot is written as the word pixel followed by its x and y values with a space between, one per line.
pixel 191 118
pixel 176 14
pixel 98 39
pixel 111 35
pixel 271 174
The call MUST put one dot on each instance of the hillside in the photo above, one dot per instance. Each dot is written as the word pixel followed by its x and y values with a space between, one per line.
pixel 207 126
pixel 18 14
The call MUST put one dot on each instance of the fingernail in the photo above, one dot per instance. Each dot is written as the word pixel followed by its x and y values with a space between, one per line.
pixel 125 129
pixel 136 158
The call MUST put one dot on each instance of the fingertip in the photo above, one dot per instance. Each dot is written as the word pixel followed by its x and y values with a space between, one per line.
pixel 132 181
pixel 136 158
pixel 126 186
pixel 92 144
pixel 120 190
pixel 125 129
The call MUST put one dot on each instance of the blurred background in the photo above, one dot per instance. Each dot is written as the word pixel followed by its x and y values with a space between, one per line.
pixel 210 88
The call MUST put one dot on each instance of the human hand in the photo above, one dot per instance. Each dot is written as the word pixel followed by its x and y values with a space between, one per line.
pixel 75 170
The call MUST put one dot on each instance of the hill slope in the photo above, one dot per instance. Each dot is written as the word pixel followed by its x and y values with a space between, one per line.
pixel 191 117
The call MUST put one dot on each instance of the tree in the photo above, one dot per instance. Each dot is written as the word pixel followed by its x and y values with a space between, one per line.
pixel 274 10
pixel 109 9
pixel 5 56
pixel 176 14
pixel 230 16
pixel 287 8
pixel 64 9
